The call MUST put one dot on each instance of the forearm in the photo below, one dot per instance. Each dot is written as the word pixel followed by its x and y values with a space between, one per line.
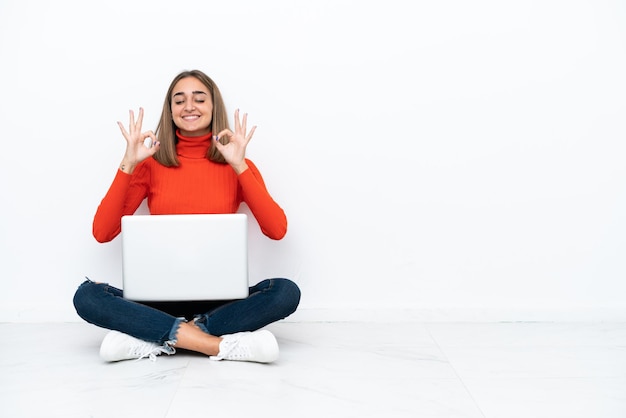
pixel 123 198
pixel 269 215
pixel 107 220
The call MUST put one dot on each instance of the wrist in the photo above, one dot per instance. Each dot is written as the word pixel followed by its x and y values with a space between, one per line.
pixel 127 167
pixel 240 168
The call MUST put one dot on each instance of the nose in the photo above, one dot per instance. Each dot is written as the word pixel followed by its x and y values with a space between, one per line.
pixel 189 106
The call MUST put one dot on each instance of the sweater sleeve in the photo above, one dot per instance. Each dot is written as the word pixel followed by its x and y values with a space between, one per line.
pixel 123 198
pixel 266 211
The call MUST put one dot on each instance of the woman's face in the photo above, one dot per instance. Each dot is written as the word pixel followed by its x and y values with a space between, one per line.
pixel 192 107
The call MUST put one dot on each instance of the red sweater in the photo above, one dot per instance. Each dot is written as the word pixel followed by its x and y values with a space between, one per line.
pixel 197 185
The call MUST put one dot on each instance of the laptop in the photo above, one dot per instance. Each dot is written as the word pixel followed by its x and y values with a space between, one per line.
pixel 185 257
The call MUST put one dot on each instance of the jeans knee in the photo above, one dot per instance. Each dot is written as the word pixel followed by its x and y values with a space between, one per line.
pixel 289 295
pixel 82 298
pixel 88 300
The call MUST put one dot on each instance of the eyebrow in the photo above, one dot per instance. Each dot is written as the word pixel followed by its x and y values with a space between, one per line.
pixel 180 93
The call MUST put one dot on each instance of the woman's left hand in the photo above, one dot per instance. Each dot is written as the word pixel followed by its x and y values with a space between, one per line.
pixel 234 152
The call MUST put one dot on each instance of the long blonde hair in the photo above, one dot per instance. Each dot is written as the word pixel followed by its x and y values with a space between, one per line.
pixel 166 129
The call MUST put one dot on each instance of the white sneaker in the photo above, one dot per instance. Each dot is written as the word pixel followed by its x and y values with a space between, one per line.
pixel 259 346
pixel 117 346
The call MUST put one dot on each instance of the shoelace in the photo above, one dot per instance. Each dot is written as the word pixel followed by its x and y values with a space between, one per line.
pixel 238 352
pixel 232 350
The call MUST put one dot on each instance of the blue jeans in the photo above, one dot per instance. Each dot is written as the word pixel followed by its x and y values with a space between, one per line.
pixel 104 305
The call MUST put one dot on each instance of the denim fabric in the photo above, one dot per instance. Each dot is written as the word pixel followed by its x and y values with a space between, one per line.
pixel 269 301
pixel 103 305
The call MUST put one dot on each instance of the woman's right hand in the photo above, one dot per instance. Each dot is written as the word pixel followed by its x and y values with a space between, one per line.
pixel 136 148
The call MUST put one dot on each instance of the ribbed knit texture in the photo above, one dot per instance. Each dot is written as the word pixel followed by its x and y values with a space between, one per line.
pixel 197 185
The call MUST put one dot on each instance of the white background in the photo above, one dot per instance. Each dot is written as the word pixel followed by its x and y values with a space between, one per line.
pixel 442 160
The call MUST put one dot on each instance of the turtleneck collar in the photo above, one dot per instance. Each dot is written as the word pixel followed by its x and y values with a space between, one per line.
pixel 193 146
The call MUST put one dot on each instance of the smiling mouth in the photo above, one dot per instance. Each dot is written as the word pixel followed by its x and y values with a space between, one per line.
pixel 191 117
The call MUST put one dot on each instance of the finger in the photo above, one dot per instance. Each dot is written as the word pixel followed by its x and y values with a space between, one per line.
pixel 131 122
pixel 249 136
pixel 217 143
pixel 244 123
pixel 140 119
pixel 149 134
pixel 123 129
pixel 149 139
pixel 225 132
pixel 154 148
pixel 237 124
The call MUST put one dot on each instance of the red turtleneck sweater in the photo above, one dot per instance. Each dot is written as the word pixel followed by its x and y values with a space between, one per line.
pixel 197 185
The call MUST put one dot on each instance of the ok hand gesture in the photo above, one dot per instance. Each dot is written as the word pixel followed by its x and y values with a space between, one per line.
pixel 137 148
pixel 235 151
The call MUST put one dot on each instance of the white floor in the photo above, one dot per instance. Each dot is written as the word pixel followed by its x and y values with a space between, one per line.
pixel 487 370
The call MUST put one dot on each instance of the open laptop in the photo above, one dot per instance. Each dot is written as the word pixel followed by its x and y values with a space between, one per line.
pixel 185 257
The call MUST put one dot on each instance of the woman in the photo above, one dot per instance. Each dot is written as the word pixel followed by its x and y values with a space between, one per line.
pixel 193 163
